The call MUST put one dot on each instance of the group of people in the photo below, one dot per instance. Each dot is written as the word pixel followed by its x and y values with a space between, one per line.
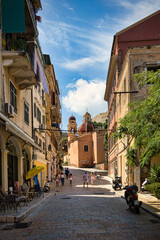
pixel 86 177
pixel 60 177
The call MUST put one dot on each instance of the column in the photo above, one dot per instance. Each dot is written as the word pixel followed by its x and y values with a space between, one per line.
pixel 4 156
pixel 20 170
pixel 137 176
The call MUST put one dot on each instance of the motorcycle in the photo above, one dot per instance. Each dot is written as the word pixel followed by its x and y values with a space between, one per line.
pixel 144 184
pixel 47 187
pixel 132 198
pixel 117 183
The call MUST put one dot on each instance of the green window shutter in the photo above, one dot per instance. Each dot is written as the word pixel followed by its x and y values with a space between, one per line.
pixel 13 16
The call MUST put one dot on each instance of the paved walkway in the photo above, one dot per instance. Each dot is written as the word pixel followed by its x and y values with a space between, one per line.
pixel 150 203
pixel 79 213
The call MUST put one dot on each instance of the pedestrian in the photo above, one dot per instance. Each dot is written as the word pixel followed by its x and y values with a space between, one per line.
pixel 67 173
pixel 62 178
pixel 70 179
pixel 85 179
pixel 57 180
pixel 92 178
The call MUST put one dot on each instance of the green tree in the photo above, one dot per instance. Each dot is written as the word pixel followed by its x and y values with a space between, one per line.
pixel 63 144
pixel 142 123
pixel 97 124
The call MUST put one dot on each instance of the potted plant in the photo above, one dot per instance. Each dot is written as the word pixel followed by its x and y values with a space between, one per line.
pixel 39 19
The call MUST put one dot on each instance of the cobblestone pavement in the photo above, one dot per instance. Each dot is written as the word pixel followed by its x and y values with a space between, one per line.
pixel 91 213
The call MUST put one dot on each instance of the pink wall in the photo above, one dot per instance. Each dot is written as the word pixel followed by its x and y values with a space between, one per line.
pixel 74 154
pixel 86 139
pixel 95 143
pixel 100 147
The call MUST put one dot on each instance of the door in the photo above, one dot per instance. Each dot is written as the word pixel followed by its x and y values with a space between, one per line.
pixel 12 170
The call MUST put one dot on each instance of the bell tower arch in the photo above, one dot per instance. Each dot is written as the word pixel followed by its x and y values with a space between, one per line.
pixel 72 127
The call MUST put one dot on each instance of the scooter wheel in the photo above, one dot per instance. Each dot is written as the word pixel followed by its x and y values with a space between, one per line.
pixel 137 210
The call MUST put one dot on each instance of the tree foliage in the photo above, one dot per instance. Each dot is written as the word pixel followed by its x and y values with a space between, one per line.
pixel 155 174
pixel 143 120
pixel 97 124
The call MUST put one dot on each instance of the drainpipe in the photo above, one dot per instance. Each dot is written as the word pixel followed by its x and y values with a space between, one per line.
pixel 32 115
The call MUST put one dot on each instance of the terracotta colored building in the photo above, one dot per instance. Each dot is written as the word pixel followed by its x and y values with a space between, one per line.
pixel 85 146
pixel 135 49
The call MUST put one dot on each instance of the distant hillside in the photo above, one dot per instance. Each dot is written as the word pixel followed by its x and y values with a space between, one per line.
pixel 100 118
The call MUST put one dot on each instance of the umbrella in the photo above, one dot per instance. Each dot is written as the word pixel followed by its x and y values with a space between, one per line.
pixel 34 171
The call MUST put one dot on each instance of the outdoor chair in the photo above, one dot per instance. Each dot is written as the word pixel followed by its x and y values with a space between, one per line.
pixel 12 201
pixel 2 203
pixel 24 197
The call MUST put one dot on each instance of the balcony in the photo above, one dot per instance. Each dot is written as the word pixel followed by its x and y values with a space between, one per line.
pixel 19 60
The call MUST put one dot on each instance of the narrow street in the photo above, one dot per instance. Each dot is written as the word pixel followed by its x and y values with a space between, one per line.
pixel 75 212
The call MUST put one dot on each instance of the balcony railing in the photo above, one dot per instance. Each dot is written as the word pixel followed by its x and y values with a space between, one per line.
pixel 17 44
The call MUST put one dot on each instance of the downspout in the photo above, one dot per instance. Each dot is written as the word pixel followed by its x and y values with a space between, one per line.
pixel 32 114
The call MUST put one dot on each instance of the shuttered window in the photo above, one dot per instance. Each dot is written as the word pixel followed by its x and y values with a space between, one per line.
pixel 26 113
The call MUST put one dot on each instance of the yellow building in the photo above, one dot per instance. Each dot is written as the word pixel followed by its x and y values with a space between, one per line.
pixel 53 117
pixel 22 95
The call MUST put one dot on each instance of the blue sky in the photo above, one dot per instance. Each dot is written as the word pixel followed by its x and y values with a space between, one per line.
pixel 78 36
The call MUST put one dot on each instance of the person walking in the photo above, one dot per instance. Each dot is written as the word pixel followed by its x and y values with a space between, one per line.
pixel 67 173
pixel 70 179
pixel 57 180
pixel 85 179
pixel 62 178
pixel 92 178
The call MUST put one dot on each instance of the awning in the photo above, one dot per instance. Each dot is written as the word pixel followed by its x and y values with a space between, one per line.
pixel 13 16
pixel 14 129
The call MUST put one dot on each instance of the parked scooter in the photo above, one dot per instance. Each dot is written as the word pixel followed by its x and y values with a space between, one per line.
pixel 132 198
pixel 117 183
pixel 47 186
pixel 144 184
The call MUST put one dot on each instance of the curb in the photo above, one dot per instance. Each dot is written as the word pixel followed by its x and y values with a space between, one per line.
pixel 145 208
pixel 23 215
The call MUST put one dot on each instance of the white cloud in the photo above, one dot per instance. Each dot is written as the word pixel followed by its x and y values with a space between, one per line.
pixel 86 95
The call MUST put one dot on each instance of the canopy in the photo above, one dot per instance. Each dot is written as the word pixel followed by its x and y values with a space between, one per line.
pixel 34 171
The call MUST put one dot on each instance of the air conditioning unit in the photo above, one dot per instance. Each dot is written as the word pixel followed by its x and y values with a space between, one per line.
pixel 9 110
pixel 49 147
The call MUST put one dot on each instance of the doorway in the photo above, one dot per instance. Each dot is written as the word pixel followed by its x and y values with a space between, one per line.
pixel 12 170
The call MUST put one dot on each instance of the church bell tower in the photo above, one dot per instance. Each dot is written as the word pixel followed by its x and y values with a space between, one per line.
pixel 72 127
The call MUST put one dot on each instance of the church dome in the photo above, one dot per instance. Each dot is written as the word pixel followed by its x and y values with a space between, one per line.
pixel 72 118
pixel 86 127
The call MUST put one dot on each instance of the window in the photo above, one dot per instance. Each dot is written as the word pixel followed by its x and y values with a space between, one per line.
pixel 26 113
pixel 42 94
pixel 85 148
pixel 40 143
pixel 39 89
pixel 120 102
pixel 35 110
pixel 38 115
pixel 13 97
pixel 44 120
pixel 125 85
pixel 43 145
pixel 36 139
pixel 53 98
